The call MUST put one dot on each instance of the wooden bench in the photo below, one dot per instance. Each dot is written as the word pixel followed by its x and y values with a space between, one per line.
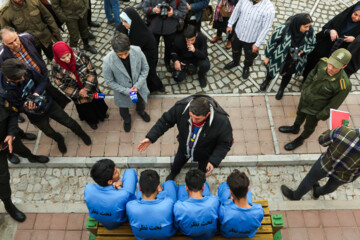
pixel 268 230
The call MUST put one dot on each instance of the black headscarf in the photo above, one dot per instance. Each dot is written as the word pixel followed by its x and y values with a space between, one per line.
pixel 350 25
pixel 294 24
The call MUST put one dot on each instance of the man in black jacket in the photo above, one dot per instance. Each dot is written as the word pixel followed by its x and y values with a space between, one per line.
pixel 189 54
pixel 205 133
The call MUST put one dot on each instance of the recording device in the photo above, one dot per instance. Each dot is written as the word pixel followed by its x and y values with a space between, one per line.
pixel 164 8
pixel 176 73
pixel 41 102
pixel 97 95
pixel 295 51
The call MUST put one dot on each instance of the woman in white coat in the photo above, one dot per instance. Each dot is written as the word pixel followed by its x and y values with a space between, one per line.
pixel 125 70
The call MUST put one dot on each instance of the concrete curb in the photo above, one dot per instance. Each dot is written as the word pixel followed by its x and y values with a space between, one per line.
pixel 165 162
pixel 274 206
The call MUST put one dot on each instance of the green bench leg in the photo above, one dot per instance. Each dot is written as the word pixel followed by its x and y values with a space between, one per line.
pixel 277 223
pixel 91 225
pixel 92 237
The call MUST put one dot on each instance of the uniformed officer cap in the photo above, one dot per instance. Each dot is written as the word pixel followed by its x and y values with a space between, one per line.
pixel 339 58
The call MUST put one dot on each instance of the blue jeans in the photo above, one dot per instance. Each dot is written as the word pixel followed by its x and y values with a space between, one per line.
pixel 112 7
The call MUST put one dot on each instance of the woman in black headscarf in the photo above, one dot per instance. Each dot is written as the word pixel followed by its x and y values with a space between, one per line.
pixel 139 35
pixel 287 49
pixel 339 32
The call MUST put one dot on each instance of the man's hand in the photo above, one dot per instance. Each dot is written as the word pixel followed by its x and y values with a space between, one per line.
pixel 255 48
pixel 156 10
pixel 83 93
pixel 301 52
pixel 117 184
pixel 349 39
pixel 229 30
pixel 333 35
pixel 177 65
pixel 266 60
pixel 209 169
pixel 191 47
pixel 144 145
pixel 171 12
pixel 188 6
pixel 9 140
pixel 133 89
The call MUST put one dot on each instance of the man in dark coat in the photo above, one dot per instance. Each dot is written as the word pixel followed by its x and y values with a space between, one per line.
pixel 190 54
pixel 205 133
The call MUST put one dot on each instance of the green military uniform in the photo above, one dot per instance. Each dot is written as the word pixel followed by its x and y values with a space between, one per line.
pixel 34 18
pixel 74 14
pixel 320 92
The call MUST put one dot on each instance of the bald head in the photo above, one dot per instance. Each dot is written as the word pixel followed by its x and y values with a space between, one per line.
pixel 10 38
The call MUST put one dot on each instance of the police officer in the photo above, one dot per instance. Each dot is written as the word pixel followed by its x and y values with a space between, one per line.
pixel 74 14
pixel 33 17
pixel 326 87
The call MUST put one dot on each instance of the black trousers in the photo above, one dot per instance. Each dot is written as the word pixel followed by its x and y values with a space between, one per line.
pixel 58 114
pixel 315 174
pixel 168 41
pixel 200 66
pixel 5 190
pixel 237 47
pixel 48 51
pixel 286 72
pixel 140 108
pixel 180 160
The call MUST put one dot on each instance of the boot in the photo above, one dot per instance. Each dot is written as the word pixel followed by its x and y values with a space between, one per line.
pixel 13 159
pixel 28 136
pixel 94 24
pixel 294 144
pixel 87 47
pixel 86 139
pixel 61 143
pixel 287 192
pixel 279 94
pixel 315 186
pixel 290 129
pixel 13 211
pixel 246 72
pixel 228 44
pixel 231 65
pixel 264 85
pixel 39 159
pixel 144 116
pixel 203 81
pixel 215 39
pixel 171 176
pixel 91 36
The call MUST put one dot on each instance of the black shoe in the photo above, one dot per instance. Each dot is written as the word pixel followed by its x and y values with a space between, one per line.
pixel 162 89
pixel 264 85
pixel 231 65
pixel 21 119
pixel 86 139
pixel 13 159
pixel 111 22
pixel 94 24
pixel 13 211
pixel 91 36
pixel 294 144
pixel 287 192
pixel 290 129
pixel 107 116
pixel 90 49
pixel 39 159
pixel 169 68
pixel 171 176
pixel 62 146
pixel 144 116
pixel 246 73
pixel 29 136
pixel 127 126
pixel 203 81
pixel 279 94
pixel 315 186
pixel 93 125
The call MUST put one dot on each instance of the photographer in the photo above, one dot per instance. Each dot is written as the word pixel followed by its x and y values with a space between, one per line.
pixel 189 54
pixel 15 80
pixel 287 49
pixel 164 16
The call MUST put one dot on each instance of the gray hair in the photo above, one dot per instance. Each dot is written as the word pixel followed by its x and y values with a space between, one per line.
pixel 120 42
pixel 6 29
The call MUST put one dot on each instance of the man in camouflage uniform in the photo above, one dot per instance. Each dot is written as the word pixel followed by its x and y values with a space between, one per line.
pixel 33 17
pixel 326 87
pixel 74 14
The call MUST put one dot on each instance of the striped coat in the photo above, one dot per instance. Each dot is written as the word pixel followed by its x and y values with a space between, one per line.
pixel 279 46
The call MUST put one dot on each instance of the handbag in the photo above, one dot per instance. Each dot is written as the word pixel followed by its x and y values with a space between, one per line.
pixel 207 14
pixel 224 10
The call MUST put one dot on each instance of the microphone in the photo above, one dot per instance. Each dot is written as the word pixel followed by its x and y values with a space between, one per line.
pixel 97 95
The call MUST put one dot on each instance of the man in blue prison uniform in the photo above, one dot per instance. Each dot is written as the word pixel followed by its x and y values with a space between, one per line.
pixel 151 214
pixel 238 216
pixel 196 211
pixel 107 199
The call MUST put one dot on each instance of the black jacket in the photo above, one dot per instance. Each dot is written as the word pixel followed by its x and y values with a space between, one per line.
pixel 354 63
pixel 215 139
pixel 181 53
pixel 8 122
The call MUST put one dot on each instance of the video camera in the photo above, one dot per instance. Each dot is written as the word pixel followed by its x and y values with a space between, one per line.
pixel 295 51
pixel 41 101
pixel 164 8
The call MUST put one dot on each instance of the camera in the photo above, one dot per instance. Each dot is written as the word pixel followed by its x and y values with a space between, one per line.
pixel 295 51
pixel 41 101
pixel 164 8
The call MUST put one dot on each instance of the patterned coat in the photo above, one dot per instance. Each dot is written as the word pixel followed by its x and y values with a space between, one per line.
pixel 66 80
pixel 279 46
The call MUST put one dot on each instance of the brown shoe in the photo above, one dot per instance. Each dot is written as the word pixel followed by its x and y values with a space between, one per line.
pixel 228 44
pixel 215 39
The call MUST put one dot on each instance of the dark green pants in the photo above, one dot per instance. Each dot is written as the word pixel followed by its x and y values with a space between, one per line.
pixel 5 190
pixel 310 122
pixel 77 28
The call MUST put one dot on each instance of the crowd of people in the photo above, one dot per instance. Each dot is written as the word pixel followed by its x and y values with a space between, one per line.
pixel 30 28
